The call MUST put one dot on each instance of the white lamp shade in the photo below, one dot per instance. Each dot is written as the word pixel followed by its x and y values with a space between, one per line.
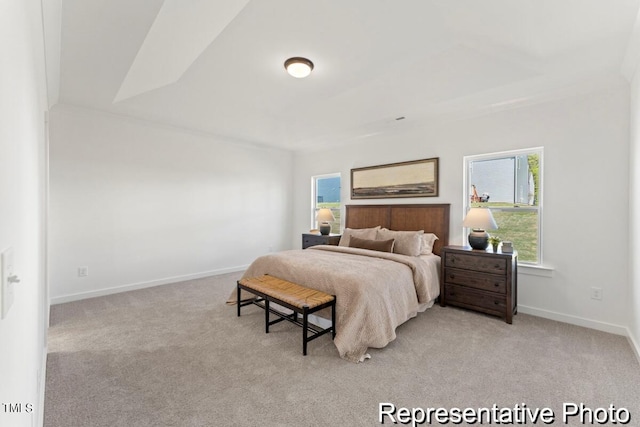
pixel 480 219
pixel 325 215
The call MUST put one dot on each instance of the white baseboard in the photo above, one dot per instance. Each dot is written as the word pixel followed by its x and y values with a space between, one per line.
pixel 575 320
pixel 142 285
pixel 634 344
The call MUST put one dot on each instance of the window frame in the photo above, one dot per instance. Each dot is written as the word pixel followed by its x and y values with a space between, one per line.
pixel 466 204
pixel 314 199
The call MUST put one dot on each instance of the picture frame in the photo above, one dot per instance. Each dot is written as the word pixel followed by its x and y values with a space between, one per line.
pixel 417 178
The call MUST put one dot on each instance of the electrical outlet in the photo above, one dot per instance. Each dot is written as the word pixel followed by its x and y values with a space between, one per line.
pixel 83 271
pixel 596 293
pixel 8 281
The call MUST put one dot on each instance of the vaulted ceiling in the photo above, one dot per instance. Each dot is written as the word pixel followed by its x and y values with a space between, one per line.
pixel 217 66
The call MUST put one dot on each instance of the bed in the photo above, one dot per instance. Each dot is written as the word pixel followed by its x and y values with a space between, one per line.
pixel 375 291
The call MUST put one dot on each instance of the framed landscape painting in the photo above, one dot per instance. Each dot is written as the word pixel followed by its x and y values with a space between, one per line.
pixel 418 178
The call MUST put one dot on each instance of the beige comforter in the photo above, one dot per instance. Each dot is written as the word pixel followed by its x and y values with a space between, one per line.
pixel 375 291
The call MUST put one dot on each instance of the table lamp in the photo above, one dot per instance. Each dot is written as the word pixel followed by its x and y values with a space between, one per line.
pixel 325 217
pixel 479 220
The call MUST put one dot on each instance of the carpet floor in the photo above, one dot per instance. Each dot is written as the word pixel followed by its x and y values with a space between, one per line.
pixel 177 355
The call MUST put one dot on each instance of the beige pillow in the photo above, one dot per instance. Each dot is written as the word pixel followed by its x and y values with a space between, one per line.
pixel 407 242
pixel 373 245
pixel 363 233
pixel 428 239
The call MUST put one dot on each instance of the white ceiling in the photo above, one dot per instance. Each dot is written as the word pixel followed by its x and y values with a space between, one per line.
pixel 217 66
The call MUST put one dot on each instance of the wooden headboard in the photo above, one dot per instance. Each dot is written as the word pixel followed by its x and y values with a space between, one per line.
pixel 430 218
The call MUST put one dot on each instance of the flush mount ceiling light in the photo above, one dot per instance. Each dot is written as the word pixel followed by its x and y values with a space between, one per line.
pixel 298 67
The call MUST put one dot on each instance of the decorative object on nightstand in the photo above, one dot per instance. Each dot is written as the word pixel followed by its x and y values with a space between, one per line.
pixel 494 241
pixel 479 220
pixel 480 281
pixel 325 217
pixel 507 247
pixel 309 239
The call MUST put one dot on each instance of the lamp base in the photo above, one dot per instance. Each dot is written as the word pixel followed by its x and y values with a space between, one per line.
pixel 478 239
pixel 325 228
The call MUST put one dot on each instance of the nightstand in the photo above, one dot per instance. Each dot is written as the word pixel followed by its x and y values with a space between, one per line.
pixel 479 280
pixel 318 239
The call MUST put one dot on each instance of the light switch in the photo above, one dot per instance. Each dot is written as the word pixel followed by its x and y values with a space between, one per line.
pixel 9 279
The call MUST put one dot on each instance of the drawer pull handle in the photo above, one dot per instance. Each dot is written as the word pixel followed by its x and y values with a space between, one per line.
pixel 496 302
pixel 452 276
pixel 497 266
pixel 496 284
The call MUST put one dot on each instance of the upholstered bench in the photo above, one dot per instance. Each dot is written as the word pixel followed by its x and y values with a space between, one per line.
pixel 299 299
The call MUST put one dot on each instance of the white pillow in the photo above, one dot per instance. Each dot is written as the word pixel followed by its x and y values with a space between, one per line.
pixel 362 233
pixel 428 239
pixel 407 242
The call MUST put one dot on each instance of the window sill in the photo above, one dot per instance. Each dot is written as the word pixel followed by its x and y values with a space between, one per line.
pixel 535 270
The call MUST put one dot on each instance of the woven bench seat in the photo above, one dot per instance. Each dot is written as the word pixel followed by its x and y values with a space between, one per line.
pixel 297 298
pixel 286 291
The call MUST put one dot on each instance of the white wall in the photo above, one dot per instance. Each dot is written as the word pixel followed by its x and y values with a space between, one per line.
pixel 22 182
pixel 140 204
pixel 634 213
pixel 586 148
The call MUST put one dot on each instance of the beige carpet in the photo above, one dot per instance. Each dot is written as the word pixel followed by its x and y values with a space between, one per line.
pixel 176 355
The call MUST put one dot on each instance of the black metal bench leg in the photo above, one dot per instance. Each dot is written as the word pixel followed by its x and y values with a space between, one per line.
pixel 266 315
pixel 239 299
pixel 305 326
pixel 333 317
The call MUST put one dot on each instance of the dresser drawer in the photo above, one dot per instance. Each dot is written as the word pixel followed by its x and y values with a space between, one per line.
pixel 476 263
pixel 465 297
pixel 487 282
pixel 310 240
pixel 318 239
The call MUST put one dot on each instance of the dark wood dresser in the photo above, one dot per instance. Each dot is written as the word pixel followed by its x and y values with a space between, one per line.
pixel 480 281
pixel 318 239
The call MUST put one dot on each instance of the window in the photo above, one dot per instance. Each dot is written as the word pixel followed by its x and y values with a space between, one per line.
pixel 510 184
pixel 325 193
